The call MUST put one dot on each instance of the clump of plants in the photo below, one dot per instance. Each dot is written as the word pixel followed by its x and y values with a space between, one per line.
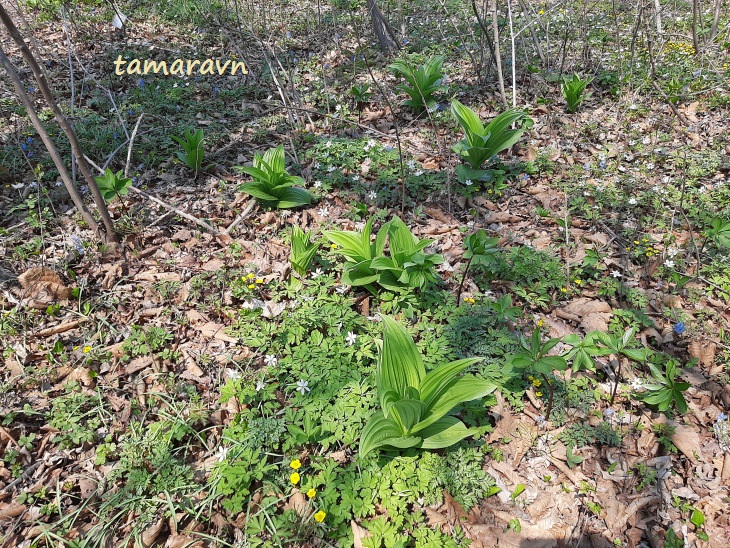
pixel 272 185
pixel 421 82
pixel 415 405
pixel 406 267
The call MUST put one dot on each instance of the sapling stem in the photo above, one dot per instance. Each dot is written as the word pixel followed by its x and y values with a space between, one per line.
pixel 463 278
pixel 550 400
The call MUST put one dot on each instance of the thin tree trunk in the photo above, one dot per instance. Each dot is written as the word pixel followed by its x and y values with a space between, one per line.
pixel 383 30
pixel 695 14
pixel 497 55
pixel 658 16
pixel 109 234
pixel 50 146
pixel 528 22
pixel 715 20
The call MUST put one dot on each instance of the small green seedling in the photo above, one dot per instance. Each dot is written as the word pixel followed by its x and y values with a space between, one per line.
pixel 192 153
pixel 573 92
pixel 113 185
pixel 421 83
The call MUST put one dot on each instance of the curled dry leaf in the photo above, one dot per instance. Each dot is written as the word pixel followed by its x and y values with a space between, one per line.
pixel 43 286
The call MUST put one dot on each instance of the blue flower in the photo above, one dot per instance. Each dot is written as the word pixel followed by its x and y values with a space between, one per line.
pixel 30 155
pixel 215 89
pixel 29 140
pixel 721 417
pixel 679 328
pixel 587 166
pixel 602 165
pixel 115 135
pixel 31 90
pixel 23 146
pixel 140 82
pixel 131 112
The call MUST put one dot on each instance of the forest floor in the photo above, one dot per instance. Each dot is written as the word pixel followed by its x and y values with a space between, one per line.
pixel 198 387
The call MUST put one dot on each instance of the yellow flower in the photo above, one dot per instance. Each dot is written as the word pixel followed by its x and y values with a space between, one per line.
pixel 541 12
pixel 251 276
pixel 251 286
pixel 530 377
pixel 540 322
pixel 636 241
pixel 578 281
pixel 294 478
pixel 333 246
pixel 538 394
pixel 259 280
pixel 319 516
pixel 87 349
pixel 296 464
pixel 537 382
pixel 312 493
pixel 564 289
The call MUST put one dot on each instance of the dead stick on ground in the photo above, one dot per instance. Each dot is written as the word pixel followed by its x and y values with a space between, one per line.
pixel 245 213
pixel 131 143
pixel 169 207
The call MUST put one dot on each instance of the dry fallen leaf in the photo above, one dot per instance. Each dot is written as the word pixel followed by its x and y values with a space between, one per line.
pixel 215 331
pixel 43 287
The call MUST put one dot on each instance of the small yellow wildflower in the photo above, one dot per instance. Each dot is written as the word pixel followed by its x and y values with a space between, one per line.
pixel 538 394
pixel 530 377
pixel 564 289
pixel 636 241
pixel 259 280
pixel 578 281
pixel 251 276
pixel 333 246
pixel 251 286
pixel 294 478
pixel 296 464
pixel 536 382
pixel 540 322
pixel 312 493
pixel 87 349
pixel 541 12
pixel 319 516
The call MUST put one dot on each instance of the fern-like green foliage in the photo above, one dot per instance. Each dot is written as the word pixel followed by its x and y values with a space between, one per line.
pixel 272 184
pixel 573 91
pixel 415 405
pixel 421 82
pixel 481 143
pixel 407 267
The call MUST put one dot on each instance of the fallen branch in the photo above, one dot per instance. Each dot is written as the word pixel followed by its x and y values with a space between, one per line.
pixel 180 212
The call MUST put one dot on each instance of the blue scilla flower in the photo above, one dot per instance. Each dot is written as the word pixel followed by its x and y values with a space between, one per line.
pixel 721 417
pixel 31 90
pixel 602 164
pixel 29 140
pixel 140 82
pixel 114 135
pixel 30 154
pixel 587 166
pixel 131 112
pixel 215 89
pixel 679 328
pixel 23 146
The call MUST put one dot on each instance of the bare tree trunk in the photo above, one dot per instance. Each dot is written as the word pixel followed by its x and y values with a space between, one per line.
pixel 497 55
pixel 383 30
pixel 55 156
pixel 695 14
pixel 109 234
pixel 658 16
pixel 528 22
pixel 715 20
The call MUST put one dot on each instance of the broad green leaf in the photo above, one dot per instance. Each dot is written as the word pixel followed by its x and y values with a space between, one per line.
pixel 380 431
pixel 292 197
pixel 407 413
pixel 460 390
pixel 257 190
pixel 444 432
pixel 400 365
pixel 436 381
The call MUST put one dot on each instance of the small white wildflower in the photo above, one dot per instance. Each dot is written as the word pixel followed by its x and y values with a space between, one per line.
pixel 323 211
pixel 418 172
pixel 669 263
pixel 672 252
pixel 650 166
pixel 232 374
pixel 646 140
pixel 468 182
pixel 636 384
pixel 540 420
pixel 355 178
pixel 221 454
pixel 271 360
pixel 372 195
pixel 317 273
pixel 411 165
pixel 317 165
pixel 303 386
pixel 371 143
pixel 615 273
pixel 18 186
pixel 260 385
pixel 317 184
pixel 330 169
pixel 59 183
pixel 342 289
pixel 328 144
pixel 351 338
pixel 632 201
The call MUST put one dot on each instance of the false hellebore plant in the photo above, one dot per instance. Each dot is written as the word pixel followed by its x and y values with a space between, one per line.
pixel 415 405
